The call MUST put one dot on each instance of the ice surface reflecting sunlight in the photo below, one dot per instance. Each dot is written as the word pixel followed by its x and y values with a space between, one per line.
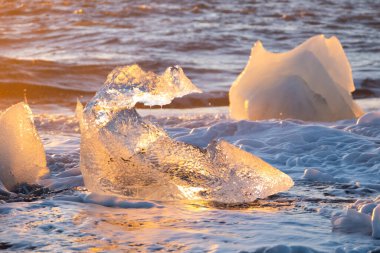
pixel 312 82
pixel 122 153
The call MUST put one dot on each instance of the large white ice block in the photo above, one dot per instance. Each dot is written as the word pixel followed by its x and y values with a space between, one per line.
pixel 312 82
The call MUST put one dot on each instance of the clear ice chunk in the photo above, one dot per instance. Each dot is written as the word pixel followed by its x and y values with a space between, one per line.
pixel 22 155
pixel 123 154
pixel 311 82
pixel 128 85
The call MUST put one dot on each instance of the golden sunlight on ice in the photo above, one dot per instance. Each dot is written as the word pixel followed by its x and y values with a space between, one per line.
pixel 311 82
pixel 22 155
pixel 130 156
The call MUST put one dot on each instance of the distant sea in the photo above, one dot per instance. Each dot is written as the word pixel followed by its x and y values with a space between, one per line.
pixel 53 51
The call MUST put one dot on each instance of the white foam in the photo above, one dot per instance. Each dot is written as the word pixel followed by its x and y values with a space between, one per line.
pixel 311 82
pixel 338 149
pixel 106 200
pixel 112 201
pixel 370 118
pixel 362 217
pixel 63 183
pixel 286 249
pixel 22 155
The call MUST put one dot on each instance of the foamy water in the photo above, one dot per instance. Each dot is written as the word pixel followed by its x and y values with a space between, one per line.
pixel 71 220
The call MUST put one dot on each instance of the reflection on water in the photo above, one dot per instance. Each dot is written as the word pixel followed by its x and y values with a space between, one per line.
pixel 173 226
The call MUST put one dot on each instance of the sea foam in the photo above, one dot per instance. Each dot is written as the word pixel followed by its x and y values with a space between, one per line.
pixel 361 217
pixel 312 82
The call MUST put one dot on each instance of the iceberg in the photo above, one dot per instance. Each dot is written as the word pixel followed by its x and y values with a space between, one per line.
pixel 312 82
pixel 124 154
pixel 22 155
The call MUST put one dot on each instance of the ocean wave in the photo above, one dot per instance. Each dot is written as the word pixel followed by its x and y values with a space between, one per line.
pixel 217 34
pixel 44 82
pixel 52 74
pixel 38 94
pixel 48 82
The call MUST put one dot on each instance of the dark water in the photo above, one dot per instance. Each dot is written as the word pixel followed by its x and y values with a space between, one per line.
pixel 58 50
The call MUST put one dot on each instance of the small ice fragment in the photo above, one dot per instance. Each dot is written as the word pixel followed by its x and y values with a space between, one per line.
pixel 279 249
pixel 360 202
pixel 370 118
pixel 112 201
pixel 376 222
pixel 286 249
pixel 70 173
pixel 22 155
pixel 311 82
pixel 366 221
pixel 351 221
pixel 367 208
pixel 317 176
pixel 123 154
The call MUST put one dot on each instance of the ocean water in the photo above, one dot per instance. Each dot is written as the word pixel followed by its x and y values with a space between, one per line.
pixel 53 52
pixel 58 50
